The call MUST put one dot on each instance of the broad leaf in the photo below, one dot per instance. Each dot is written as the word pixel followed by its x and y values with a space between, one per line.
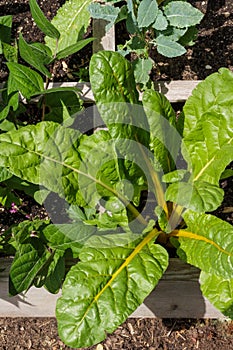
pixel 161 22
pixel 71 21
pixel 164 138
pixel 68 236
pixel 29 260
pixel 10 52
pixel 54 275
pixel 24 79
pixel 142 68
pixel 207 243
pixel 42 22
pixel 208 128
pixel 169 48
pixel 34 56
pixel 219 291
pixel 59 101
pixel 4 174
pixel 115 274
pixel 199 196
pixel 114 88
pixel 43 154
pixel 147 13
pixel 182 14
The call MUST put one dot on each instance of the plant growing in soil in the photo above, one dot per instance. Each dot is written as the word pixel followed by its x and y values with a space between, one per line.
pixel 168 26
pixel 63 37
pixel 144 184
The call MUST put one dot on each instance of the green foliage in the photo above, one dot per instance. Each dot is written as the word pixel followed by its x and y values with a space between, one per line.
pixel 114 241
pixel 167 25
pixel 63 38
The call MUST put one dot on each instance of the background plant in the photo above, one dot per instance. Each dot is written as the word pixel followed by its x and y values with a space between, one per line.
pixel 167 25
pixel 120 247
pixel 29 83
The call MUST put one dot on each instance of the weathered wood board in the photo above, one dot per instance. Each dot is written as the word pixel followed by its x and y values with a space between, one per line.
pixel 176 296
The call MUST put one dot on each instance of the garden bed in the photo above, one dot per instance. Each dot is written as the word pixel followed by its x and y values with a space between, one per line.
pixel 205 57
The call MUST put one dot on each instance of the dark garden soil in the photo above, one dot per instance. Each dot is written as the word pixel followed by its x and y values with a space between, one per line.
pixel 213 49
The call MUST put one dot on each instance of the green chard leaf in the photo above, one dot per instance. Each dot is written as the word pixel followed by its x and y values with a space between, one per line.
pixel 114 88
pixel 208 127
pixel 164 137
pixel 207 243
pixel 43 154
pixel 68 236
pixel 29 259
pixel 219 291
pixel 200 196
pixel 113 277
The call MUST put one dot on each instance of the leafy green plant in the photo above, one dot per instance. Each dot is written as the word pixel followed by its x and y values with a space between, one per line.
pixel 117 240
pixel 63 37
pixel 167 25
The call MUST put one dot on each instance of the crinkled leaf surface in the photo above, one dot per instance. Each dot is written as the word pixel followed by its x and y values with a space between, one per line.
pixel 182 14
pixel 164 138
pixel 115 274
pixel 199 196
pixel 43 154
pixel 29 259
pixel 219 291
pixel 4 174
pixel 114 88
pixel 65 236
pixel 71 21
pixel 208 133
pixel 207 243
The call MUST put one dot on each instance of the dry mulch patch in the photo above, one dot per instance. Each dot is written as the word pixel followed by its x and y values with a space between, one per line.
pixel 213 49
pixel 151 334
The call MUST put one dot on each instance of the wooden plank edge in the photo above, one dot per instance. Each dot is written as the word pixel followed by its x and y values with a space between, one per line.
pixel 177 295
pixel 175 91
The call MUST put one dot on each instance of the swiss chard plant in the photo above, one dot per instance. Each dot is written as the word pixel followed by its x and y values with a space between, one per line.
pixel 169 26
pixel 146 181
